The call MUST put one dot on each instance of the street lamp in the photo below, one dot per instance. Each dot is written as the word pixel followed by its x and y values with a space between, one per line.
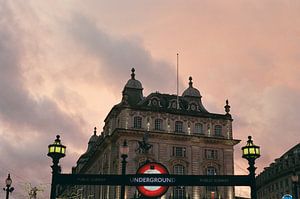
pixel 55 151
pixel 295 180
pixel 124 150
pixel 251 152
pixel 8 189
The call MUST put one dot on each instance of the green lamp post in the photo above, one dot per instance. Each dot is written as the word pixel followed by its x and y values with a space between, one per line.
pixel 251 152
pixel 8 188
pixel 55 151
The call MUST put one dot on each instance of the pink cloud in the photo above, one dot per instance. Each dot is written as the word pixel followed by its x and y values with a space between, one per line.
pixel 56 58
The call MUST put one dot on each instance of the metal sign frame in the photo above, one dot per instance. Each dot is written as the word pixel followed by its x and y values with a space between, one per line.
pixel 153 180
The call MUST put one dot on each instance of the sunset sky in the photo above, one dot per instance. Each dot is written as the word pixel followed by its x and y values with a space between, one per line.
pixel 63 65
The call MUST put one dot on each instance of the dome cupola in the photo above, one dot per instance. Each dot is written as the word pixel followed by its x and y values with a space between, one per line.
pixel 191 91
pixel 92 140
pixel 133 91
pixel 91 144
pixel 133 83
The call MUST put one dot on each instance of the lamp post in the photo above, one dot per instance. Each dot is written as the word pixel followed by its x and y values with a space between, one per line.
pixel 251 152
pixel 55 151
pixel 295 181
pixel 8 189
pixel 124 150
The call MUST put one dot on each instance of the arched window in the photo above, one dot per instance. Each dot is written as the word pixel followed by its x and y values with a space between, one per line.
pixel 137 122
pixel 179 169
pixel 198 128
pixel 218 130
pixel 178 127
pixel 211 171
pixel 179 191
pixel 158 124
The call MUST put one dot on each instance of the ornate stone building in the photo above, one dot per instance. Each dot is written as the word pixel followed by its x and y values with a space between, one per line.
pixel 186 138
pixel 276 180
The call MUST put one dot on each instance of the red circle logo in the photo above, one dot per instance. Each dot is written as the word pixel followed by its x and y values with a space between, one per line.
pixel 152 168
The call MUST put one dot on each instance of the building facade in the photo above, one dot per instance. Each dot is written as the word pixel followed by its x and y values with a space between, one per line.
pixel 185 137
pixel 276 180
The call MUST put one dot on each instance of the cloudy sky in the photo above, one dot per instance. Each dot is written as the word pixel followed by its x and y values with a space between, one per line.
pixel 63 65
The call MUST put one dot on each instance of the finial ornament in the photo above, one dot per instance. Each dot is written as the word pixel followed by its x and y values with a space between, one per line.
pixel 227 107
pixel 132 73
pixel 57 139
pixel 95 130
pixel 250 139
pixel 191 82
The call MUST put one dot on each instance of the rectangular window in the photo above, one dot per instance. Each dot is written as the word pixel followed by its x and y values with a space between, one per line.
pixel 179 151
pixel 211 154
pixel 178 127
pixel 179 192
pixel 158 124
pixel 218 130
pixel 137 122
pixel 198 128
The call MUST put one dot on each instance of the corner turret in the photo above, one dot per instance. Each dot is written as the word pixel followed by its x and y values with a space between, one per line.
pixel 133 91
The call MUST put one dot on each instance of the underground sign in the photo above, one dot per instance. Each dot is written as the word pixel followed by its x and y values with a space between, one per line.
pixel 287 196
pixel 152 168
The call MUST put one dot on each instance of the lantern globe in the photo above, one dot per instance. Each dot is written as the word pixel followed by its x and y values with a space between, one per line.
pixel 8 180
pixel 124 149
pixel 56 150
pixel 250 151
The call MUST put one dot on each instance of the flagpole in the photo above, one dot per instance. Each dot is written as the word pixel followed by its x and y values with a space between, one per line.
pixel 177 81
